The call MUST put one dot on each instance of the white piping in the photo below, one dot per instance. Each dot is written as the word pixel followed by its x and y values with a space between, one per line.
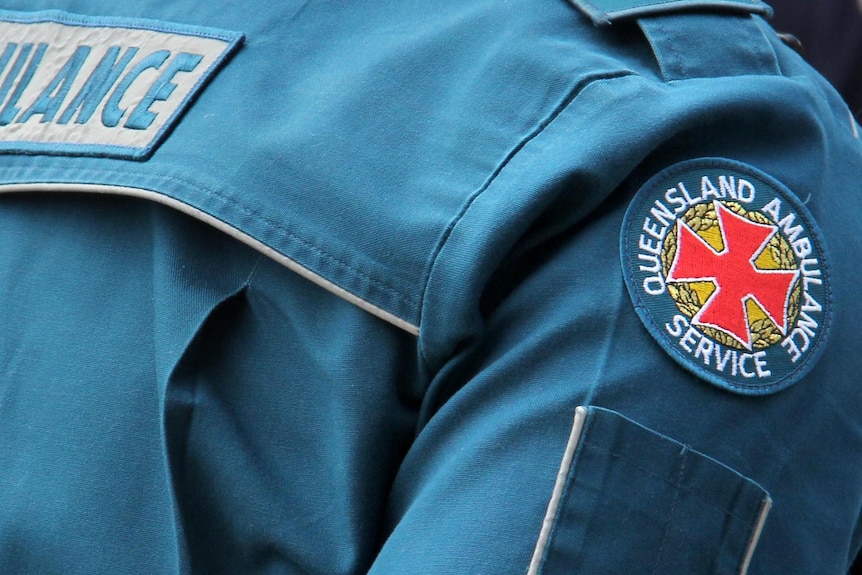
pixel 559 487
pixel 223 227
pixel 755 536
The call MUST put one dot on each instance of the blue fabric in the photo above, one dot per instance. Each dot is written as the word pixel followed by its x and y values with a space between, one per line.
pixel 100 79
pixel 831 36
pixel 174 400
pixel 678 40
pixel 608 11
pixel 626 475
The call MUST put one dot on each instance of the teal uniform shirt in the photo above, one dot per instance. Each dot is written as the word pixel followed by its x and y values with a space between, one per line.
pixel 327 287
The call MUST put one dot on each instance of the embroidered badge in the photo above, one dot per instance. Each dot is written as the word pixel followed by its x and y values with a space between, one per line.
pixel 728 271
pixel 82 85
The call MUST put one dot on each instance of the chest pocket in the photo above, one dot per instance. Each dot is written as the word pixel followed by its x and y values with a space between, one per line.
pixel 623 487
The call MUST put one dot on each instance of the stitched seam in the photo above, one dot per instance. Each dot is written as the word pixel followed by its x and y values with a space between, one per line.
pixel 677 61
pixel 752 3
pixel 250 212
pixel 673 483
pixel 674 61
pixel 569 97
pixel 253 273
pixel 594 12
pixel 657 9
pixel 770 60
pixel 664 538
pixel 66 18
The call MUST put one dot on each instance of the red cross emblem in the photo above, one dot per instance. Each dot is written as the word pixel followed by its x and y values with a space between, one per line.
pixel 733 272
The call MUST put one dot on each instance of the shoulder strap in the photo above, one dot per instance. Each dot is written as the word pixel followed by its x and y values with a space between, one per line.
pixel 696 38
pixel 707 45
pixel 610 11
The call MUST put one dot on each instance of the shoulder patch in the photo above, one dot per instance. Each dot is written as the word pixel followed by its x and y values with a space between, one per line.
pixel 728 271
pixel 609 11
pixel 81 85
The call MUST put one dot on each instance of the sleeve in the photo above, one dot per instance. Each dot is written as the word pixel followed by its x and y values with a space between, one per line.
pixel 572 428
pixel 501 480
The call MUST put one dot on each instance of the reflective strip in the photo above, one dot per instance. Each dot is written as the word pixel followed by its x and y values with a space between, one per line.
pixel 225 228
pixel 755 536
pixel 559 487
pixel 100 86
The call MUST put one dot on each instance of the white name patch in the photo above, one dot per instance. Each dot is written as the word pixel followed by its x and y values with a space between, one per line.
pixel 79 85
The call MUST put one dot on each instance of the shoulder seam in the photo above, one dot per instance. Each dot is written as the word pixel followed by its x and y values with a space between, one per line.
pixel 569 97
pixel 226 228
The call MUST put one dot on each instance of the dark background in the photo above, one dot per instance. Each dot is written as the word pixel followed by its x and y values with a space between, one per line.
pixel 831 35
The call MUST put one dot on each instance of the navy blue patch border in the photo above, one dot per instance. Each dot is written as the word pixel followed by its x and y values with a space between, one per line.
pixel 644 195
pixel 232 38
